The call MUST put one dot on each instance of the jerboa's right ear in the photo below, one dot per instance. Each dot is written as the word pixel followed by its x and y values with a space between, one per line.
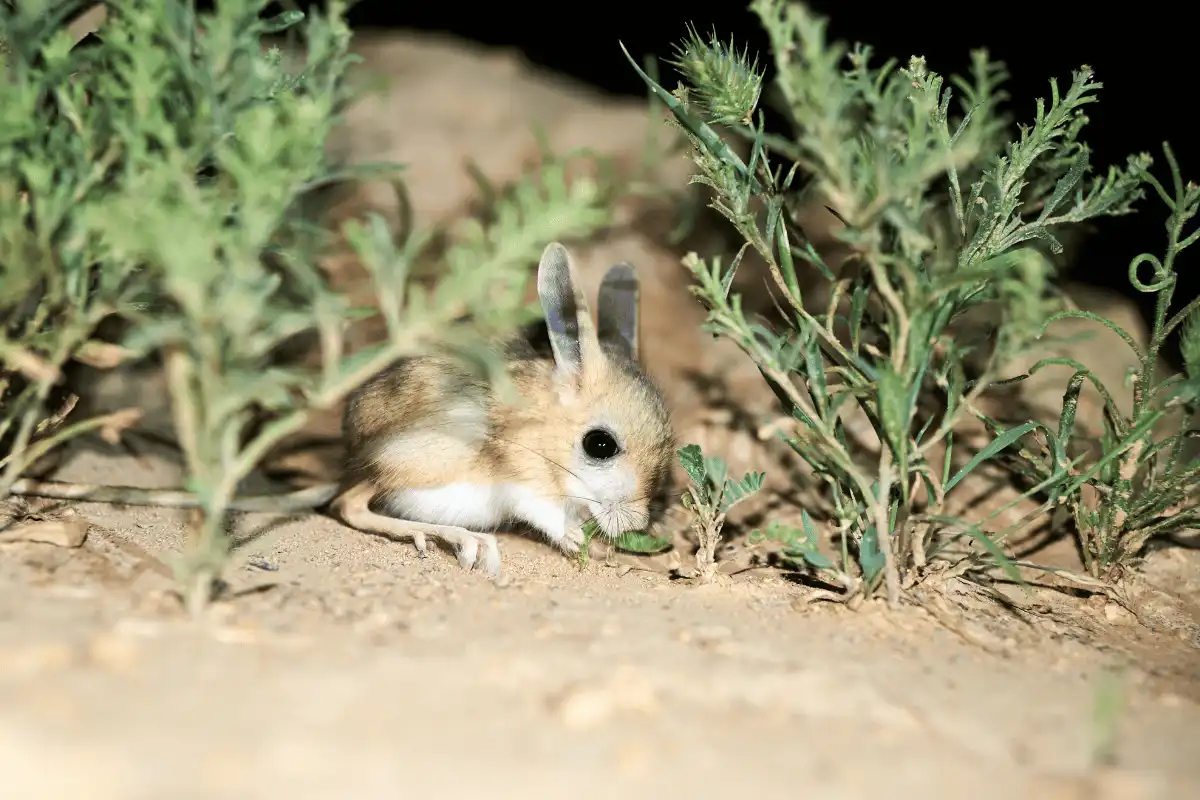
pixel 568 320
pixel 617 309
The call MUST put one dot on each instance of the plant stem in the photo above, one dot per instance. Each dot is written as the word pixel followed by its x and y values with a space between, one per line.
pixel 883 528
pixel 41 447
pixel 29 421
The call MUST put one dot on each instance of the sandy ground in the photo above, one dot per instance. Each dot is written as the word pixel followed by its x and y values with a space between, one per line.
pixel 343 665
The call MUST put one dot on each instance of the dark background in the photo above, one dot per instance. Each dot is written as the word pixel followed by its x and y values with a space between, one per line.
pixel 1139 51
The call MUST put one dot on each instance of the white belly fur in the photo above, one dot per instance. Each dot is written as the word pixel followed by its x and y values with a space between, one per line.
pixel 479 507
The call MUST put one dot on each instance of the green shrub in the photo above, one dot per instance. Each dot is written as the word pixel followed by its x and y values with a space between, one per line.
pixel 157 179
pixel 944 215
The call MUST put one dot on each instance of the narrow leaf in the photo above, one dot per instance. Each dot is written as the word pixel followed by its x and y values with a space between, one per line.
pixel 870 557
pixel 993 448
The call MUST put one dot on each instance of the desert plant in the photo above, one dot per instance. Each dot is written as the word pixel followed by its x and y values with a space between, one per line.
pixel 205 147
pixel 57 156
pixel 1142 484
pixel 944 217
pixel 709 498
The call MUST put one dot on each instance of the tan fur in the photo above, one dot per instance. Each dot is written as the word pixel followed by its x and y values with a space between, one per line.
pixel 526 440
pixel 415 398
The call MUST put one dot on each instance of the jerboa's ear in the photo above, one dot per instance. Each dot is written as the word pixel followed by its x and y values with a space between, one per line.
pixel 617 309
pixel 568 319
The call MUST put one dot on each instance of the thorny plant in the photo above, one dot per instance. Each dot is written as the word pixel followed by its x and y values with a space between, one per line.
pixel 943 214
pixel 163 186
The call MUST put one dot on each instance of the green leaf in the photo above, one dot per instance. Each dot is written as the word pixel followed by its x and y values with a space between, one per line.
pixel 993 447
pixel 642 542
pixel 736 492
pixel 590 529
pixel 818 560
pixel 692 461
pixel 948 461
pixel 893 407
pixel 989 544
pixel 727 279
pixel 815 368
pixel 716 469
pixel 803 544
pixel 870 557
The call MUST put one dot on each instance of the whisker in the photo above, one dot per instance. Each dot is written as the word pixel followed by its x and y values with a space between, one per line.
pixel 539 454
pixel 577 497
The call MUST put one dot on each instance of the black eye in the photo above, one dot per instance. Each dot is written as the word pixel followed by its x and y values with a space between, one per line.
pixel 599 444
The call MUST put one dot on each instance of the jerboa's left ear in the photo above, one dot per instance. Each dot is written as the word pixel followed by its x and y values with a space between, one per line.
pixel 568 318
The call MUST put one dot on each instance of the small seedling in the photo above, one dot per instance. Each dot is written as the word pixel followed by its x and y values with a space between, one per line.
pixel 709 498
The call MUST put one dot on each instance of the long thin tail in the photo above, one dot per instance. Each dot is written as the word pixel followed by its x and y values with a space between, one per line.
pixel 300 500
